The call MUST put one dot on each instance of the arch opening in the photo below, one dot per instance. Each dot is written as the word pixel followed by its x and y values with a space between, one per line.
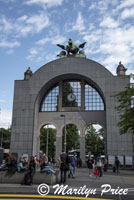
pixel 72 94
pixel 94 139
pixel 48 141
pixel 71 138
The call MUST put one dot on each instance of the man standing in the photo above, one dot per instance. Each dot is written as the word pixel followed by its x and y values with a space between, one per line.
pixel 63 166
pixel 117 164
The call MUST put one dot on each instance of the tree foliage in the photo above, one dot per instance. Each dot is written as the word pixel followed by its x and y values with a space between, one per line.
pixel 51 141
pixel 94 140
pixel 72 137
pixel 67 89
pixel 5 135
pixel 125 110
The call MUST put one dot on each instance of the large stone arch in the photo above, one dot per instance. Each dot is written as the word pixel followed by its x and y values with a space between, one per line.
pixel 97 116
pixel 28 95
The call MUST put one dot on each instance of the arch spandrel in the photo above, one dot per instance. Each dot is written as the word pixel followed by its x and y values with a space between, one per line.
pixel 44 124
pixel 71 65
pixel 74 123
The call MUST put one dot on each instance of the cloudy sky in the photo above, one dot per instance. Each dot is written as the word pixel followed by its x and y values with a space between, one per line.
pixel 30 30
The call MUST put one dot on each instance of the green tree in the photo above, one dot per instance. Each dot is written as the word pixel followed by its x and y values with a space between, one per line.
pixel 72 137
pixel 5 135
pixel 51 141
pixel 94 140
pixel 125 109
pixel 67 89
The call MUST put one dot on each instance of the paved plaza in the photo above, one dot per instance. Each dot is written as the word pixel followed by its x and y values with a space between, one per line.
pixel 125 179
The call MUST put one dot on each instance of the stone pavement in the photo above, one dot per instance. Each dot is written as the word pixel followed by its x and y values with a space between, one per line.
pixel 125 179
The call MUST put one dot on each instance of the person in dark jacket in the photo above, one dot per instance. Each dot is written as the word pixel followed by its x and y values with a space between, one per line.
pixel 117 164
pixel 31 171
pixel 90 163
pixel 64 166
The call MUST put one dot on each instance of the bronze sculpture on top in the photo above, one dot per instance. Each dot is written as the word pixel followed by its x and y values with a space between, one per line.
pixel 72 50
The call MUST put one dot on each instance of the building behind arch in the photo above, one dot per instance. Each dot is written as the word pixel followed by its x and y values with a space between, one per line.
pixel 40 99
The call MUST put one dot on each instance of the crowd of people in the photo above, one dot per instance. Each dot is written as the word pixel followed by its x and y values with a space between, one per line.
pixel 27 166
pixel 99 165
pixel 96 165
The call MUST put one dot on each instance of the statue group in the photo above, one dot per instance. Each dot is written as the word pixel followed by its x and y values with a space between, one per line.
pixel 72 50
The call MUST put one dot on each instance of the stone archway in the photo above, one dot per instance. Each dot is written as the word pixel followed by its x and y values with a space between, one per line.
pixel 94 139
pixel 48 141
pixel 28 116
pixel 71 134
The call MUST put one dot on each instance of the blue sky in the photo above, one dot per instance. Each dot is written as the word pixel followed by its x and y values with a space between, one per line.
pixel 30 30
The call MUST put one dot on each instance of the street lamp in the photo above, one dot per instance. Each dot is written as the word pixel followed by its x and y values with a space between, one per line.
pixel 47 143
pixel 132 106
pixel 65 144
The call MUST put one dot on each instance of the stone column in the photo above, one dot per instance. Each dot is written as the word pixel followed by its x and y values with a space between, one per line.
pixel 58 147
pixel 60 96
pixel 82 149
pixel 38 147
pixel 82 95
pixel 105 141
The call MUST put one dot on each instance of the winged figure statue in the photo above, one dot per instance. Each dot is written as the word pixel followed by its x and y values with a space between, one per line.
pixel 71 49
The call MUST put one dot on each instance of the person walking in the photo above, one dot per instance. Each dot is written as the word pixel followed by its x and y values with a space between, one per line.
pixel 31 170
pixel 90 163
pixel 117 165
pixel 73 163
pixel 100 165
pixel 105 164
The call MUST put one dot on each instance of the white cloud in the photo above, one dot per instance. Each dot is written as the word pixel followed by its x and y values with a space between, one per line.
pixel 109 23
pixel 127 13
pixel 32 24
pixel 50 57
pixel 92 6
pixel 76 26
pixel 22 26
pixel 33 51
pixel 111 43
pixel 37 53
pixel 9 44
pixel 79 24
pixel 48 3
pixel 5 118
pixel 102 5
pixel 5 25
pixel 82 3
pixel 53 40
pixel 38 22
pixel 22 18
pixel 125 3
pixel 43 41
pixel 58 39
pixel 25 24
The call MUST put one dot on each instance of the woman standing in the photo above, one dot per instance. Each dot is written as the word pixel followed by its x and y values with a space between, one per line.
pixel 90 163
pixel 100 165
